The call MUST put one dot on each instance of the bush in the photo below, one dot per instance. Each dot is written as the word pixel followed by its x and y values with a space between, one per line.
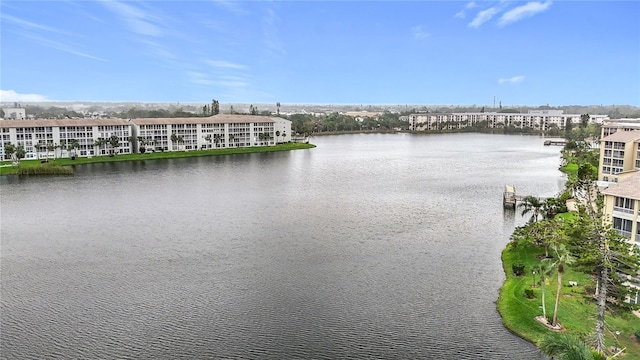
pixel 528 293
pixel 518 269
pixel 637 334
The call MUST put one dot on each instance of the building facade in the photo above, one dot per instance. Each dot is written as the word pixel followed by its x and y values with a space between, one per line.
pixel 55 138
pixel 619 153
pixel 93 137
pixel 541 120
pixel 14 113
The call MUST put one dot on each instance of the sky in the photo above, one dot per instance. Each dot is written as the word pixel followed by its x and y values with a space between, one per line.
pixel 322 52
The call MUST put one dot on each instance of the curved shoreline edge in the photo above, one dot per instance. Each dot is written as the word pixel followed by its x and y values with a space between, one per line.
pixel 67 163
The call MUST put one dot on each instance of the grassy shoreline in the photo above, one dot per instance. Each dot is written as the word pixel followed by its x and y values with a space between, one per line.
pixel 28 167
pixel 577 310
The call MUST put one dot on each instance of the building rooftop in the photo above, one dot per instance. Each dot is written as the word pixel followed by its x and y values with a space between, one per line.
pixel 623 136
pixel 61 122
pixel 216 119
pixel 627 188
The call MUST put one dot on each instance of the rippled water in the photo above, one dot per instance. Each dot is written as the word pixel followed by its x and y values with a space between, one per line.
pixel 368 246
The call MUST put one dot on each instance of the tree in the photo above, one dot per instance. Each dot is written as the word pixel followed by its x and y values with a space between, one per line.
pixel 563 257
pixel 568 347
pixel 277 135
pixel 217 138
pixel 208 139
pixel 215 107
pixel 9 150
pixel 19 154
pixel 544 270
pixel 278 108
pixel 114 141
pixel 99 142
pixel 63 145
pixel 531 204
pixel 174 141
pixel 74 145
pixel 231 139
pixel 584 121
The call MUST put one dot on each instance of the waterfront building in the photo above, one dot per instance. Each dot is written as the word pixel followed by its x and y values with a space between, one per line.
pixel 218 131
pixel 619 153
pixel 611 126
pixel 92 135
pixel 542 120
pixel 36 135
pixel 621 209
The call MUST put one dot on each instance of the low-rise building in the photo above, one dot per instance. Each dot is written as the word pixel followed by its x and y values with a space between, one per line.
pixel 91 137
pixel 14 113
pixel 542 120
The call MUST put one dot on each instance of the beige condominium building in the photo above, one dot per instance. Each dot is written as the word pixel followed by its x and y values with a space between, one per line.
pixel 621 208
pixel 619 153
pixel 91 136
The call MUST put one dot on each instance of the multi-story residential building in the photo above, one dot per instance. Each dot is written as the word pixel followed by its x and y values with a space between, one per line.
pixel 619 153
pixel 610 126
pixel 621 209
pixel 166 134
pixel 536 119
pixel 36 135
pixel 218 131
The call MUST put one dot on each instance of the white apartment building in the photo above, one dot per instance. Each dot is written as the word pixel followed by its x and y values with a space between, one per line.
pixel 218 131
pixel 611 126
pixel 35 135
pixel 163 134
pixel 537 119
pixel 14 113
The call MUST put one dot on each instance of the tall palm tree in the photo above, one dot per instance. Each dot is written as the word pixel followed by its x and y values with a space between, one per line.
pixel 531 204
pixel 277 135
pixel 217 138
pixel 544 269
pixel 174 141
pixel 563 257
pixel 114 141
pixel 208 139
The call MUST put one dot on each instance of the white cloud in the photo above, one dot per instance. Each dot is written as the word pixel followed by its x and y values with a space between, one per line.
pixel 527 10
pixel 271 38
pixel 62 47
pixel 462 14
pixel 139 21
pixel 32 26
pixel 224 64
pixel 232 6
pixel 419 33
pixel 483 16
pixel 511 80
pixel 12 96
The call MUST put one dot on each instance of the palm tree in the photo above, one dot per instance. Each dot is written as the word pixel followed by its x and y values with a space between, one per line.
pixel 277 134
pixel 531 204
pixel 74 146
pixel 568 347
pixel 231 138
pixel 208 139
pixel 9 150
pixel 563 257
pixel 544 269
pixel 51 147
pixel 19 154
pixel 114 141
pixel 63 145
pixel 174 141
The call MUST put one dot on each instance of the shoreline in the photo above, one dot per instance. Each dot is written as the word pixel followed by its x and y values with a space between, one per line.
pixel 26 167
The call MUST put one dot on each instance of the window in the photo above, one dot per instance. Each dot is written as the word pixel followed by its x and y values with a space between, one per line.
pixel 623 226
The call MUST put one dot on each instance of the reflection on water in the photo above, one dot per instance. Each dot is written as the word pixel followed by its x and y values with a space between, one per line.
pixel 368 246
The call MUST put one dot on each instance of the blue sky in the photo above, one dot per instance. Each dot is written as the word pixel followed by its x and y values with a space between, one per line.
pixel 342 52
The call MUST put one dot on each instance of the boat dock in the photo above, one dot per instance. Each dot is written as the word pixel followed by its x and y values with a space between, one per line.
pixel 510 199
pixel 554 142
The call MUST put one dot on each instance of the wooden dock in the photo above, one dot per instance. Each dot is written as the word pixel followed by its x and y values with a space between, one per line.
pixel 510 199
pixel 554 142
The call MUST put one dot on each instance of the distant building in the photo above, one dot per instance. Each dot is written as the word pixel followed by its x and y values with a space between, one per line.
pixel 541 120
pixel 14 113
pixel 619 153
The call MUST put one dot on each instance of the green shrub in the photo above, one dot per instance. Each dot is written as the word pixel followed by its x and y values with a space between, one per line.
pixel 528 293
pixel 518 269
pixel 637 334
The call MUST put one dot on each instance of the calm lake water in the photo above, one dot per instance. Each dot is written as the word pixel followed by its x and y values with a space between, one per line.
pixel 368 246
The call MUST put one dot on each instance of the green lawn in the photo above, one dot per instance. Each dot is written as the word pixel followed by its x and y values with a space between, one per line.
pixel 25 164
pixel 576 312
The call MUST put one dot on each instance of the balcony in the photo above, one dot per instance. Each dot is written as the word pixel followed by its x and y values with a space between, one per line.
pixel 624 233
